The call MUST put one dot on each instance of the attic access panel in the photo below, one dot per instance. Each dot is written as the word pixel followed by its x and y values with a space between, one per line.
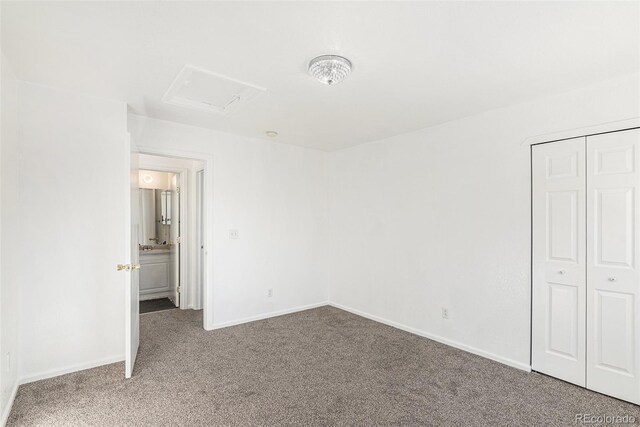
pixel 207 91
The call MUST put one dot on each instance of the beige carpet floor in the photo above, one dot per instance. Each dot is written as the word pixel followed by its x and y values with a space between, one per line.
pixel 321 367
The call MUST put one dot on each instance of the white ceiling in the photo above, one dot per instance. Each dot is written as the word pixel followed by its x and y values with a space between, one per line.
pixel 415 64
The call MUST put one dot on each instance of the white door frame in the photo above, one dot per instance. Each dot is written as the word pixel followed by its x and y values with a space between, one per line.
pixel 561 135
pixel 207 159
pixel 183 184
pixel 200 258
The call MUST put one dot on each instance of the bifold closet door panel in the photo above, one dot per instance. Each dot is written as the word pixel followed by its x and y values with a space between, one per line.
pixel 613 258
pixel 559 260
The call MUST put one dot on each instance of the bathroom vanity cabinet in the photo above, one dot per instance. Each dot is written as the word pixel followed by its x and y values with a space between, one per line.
pixel 158 275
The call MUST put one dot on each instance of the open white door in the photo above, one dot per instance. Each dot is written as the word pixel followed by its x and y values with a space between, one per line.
pixel 132 295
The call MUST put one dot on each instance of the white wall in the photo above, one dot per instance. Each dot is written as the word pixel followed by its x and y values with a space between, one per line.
pixel 431 219
pixel 9 297
pixel 275 196
pixel 441 218
pixel 67 234
pixel 60 222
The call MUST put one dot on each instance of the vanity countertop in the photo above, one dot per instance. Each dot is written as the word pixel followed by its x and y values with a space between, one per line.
pixel 157 250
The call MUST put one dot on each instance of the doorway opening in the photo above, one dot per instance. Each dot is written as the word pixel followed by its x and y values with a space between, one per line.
pixel 159 240
pixel 181 200
pixel 170 237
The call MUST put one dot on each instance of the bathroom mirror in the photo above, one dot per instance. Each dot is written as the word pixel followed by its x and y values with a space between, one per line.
pixel 156 206
pixel 159 209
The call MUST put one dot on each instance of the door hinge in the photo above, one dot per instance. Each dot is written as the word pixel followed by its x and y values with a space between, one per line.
pixel 179 239
pixel 178 190
pixel 178 289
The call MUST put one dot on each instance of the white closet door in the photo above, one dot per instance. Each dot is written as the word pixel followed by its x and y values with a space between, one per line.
pixel 613 224
pixel 559 245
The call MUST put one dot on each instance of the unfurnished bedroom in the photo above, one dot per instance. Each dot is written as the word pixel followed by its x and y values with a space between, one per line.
pixel 319 213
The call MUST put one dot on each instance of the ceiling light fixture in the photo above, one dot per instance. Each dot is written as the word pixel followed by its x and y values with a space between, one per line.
pixel 271 133
pixel 329 69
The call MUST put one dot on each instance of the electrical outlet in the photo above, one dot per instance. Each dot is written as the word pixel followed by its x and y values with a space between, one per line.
pixel 270 293
pixel 233 234
pixel 445 313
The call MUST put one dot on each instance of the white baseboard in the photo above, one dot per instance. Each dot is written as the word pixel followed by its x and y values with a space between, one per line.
pixel 7 409
pixel 155 295
pixel 268 315
pixel 71 368
pixel 451 343
pixel 115 359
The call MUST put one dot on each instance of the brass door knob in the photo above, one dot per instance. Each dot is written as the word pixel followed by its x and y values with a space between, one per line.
pixel 127 267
